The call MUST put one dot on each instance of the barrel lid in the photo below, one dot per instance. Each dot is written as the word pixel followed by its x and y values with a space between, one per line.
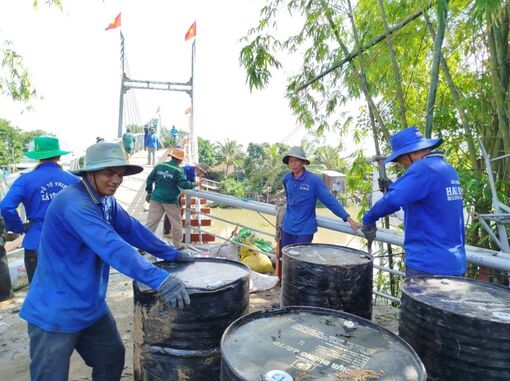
pixel 324 254
pixel 204 274
pixel 317 344
pixel 480 300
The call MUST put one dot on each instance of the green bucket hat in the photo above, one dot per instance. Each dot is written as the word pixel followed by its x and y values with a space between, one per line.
pixel 45 147
pixel 106 155
pixel 295 152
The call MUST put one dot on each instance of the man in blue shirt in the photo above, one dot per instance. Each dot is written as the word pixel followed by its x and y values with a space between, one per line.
pixel 85 232
pixel 429 192
pixel 303 189
pixel 152 144
pixel 35 190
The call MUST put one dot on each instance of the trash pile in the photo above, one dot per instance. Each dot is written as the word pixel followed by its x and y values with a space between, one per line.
pixel 254 259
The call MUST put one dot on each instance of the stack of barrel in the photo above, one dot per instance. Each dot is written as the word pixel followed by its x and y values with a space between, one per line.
pixel 184 344
pixel 460 328
pixel 321 331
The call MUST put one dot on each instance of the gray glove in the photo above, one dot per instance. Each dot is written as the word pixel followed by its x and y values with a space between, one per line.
pixel 384 184
pixel 369 232
pixel 184 257
pixel 26 226
pixel 148 197
pixel 174 293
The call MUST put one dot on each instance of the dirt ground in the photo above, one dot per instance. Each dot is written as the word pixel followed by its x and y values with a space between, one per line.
pixel 14 356
pixel 14 346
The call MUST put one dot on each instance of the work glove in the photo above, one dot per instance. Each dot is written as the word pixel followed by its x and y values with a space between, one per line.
pixel 369 232
pixel 26 226
pixel 148 197
pixel 174 293
pixel 384 184
pixel 184 258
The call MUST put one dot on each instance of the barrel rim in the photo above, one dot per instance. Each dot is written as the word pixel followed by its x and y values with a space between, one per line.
pixel 319 311
pixel 457 278
pixel 370 258
pixel 194 290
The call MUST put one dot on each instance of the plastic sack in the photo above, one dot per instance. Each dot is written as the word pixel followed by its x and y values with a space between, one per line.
pixel 258 262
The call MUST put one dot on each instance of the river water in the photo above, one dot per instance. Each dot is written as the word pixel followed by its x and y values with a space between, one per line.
pixel 265 223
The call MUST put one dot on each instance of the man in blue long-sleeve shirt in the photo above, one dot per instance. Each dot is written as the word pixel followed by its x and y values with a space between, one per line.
pixel 302 189
pixel 35 190
pixel 429 192
pixel 85 232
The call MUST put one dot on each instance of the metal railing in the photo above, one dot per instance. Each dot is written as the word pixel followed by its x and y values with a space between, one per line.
pixel 479 256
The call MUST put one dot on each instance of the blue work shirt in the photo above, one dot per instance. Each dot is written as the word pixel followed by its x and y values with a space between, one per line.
pixel 429 192
pixel 189 172
pixel 83 235
pixel 152 141
pixel 34 190
pixel 302 194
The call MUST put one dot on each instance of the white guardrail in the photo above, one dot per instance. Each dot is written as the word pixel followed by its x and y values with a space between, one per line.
pixel 480 256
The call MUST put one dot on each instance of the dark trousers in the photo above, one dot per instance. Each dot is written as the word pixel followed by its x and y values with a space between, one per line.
pixel 167 226
pixel 30 263
pixel 289 239
pixel 99 345
pixel 5 278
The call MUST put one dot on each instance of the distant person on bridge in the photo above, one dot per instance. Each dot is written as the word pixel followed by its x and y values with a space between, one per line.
pixel 128 142
pixel 35 190
pixel 303 189
pixel 145 134
pixel 85 232
pixel 174 133
pixel 429 192
pixel 152 143
pixel 193 173
pixel 163 188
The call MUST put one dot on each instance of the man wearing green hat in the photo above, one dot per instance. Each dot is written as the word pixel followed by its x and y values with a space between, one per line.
pixel 86 231
pixel 35 190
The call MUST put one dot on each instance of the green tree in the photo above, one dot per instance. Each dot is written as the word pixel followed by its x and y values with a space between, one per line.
pixel 232 187
pixel 206 151
pixel 230 154
pixel 11 144
pixel 15 80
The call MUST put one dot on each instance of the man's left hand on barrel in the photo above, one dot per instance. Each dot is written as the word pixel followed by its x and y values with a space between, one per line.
pixel 174 293
pixel 184 257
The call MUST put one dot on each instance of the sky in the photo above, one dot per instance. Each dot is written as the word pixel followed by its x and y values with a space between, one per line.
pixel 75 67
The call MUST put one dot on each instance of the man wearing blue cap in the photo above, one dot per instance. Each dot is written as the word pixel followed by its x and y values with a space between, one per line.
pixel 35 190
pixel 85 232
pixel 429 192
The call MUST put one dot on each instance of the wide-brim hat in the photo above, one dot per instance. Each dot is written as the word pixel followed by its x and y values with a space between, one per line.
pixel 203 167
pixel 409 140
pixel 106 155
pixel 177 153
pixel 45 147
pixel 295 152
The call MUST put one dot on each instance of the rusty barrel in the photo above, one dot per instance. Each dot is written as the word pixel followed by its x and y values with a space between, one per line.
pixel 184 344
pixel 459 327
pixel 311 343
pixel 328 276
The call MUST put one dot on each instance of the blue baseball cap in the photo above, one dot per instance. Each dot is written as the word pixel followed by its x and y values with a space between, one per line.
pixel 409 140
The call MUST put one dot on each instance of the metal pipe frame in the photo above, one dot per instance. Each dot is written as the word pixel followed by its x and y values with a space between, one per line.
pixel 480 256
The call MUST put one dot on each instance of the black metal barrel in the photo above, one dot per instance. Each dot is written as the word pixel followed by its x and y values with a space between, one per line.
pixel 311 343
pixel 328 276
pixel 459 327
pixel 183 344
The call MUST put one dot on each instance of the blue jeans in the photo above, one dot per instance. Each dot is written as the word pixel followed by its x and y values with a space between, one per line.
pixel 289 239
pixel 99 345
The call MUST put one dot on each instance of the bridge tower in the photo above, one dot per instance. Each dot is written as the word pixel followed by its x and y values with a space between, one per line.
pixel 128 83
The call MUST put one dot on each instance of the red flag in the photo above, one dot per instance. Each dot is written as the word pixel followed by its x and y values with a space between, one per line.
pixel 115 23
pixel 157 111
pixel 192 31
pixel 187 111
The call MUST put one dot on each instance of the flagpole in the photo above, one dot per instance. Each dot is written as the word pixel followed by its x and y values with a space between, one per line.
pixel 122 89
pixel 193 137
